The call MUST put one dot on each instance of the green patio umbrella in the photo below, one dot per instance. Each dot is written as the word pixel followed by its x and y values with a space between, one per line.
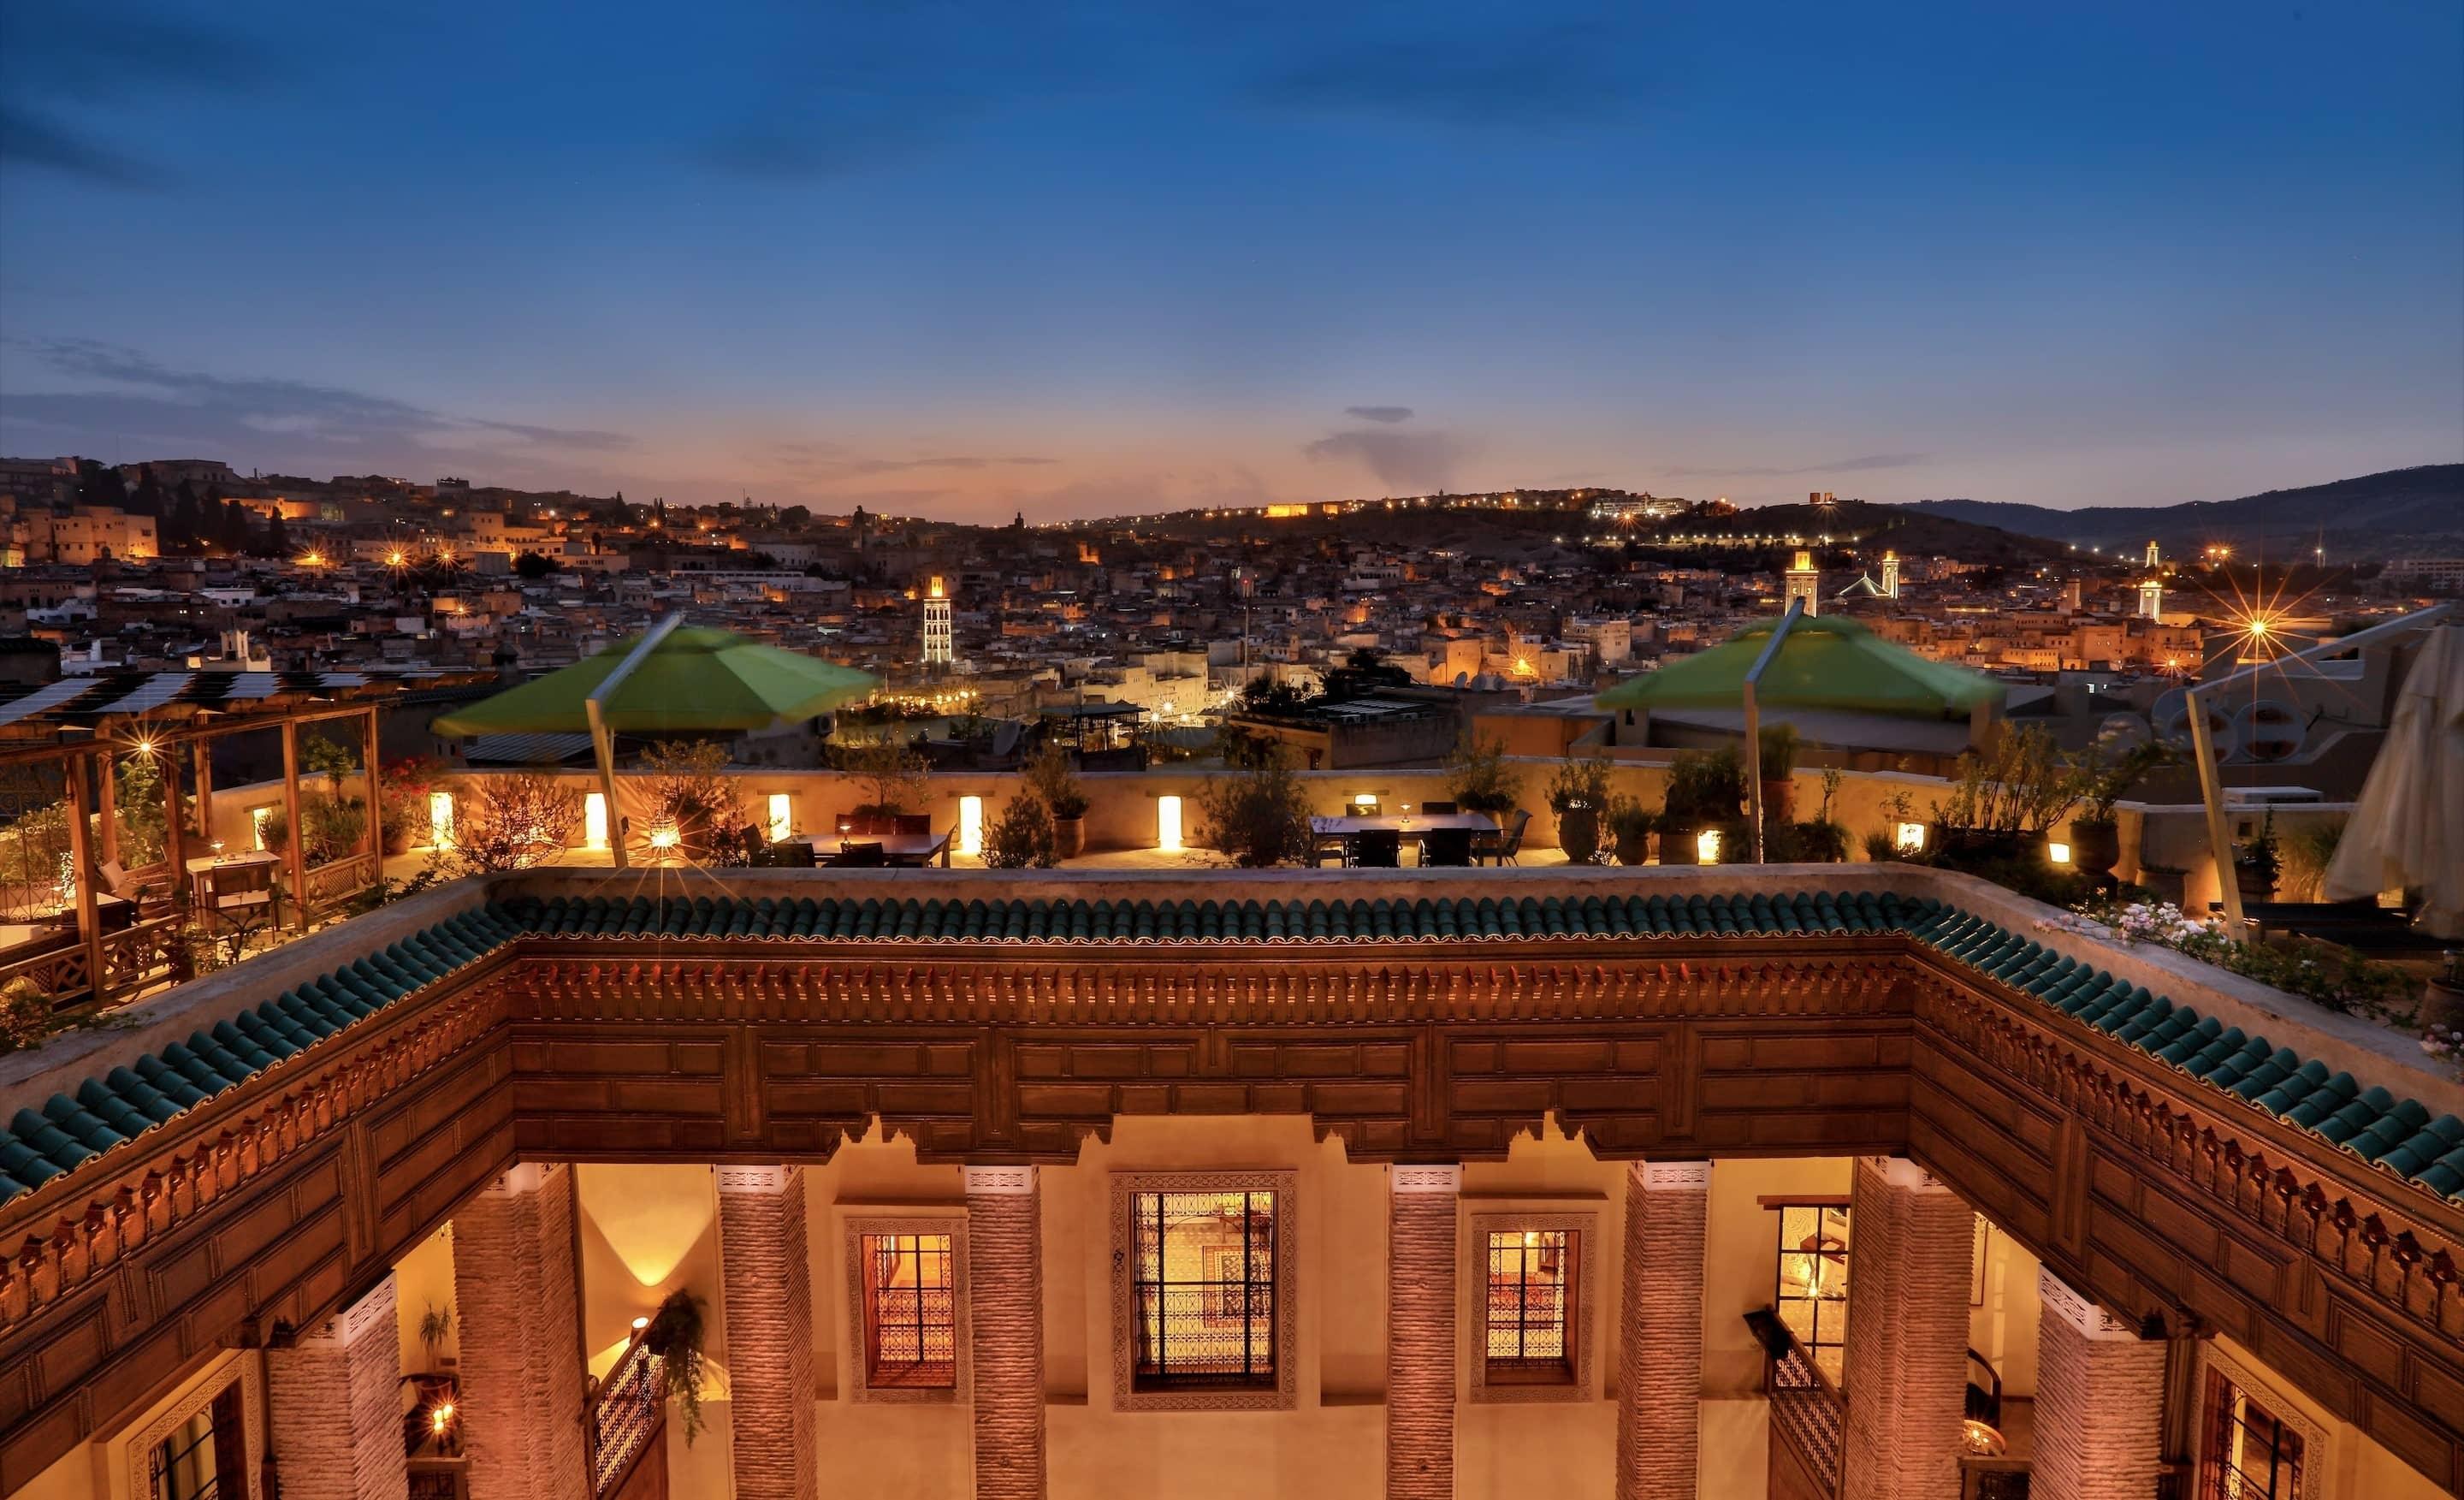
pixel 691 678
pixel 674 679
pixel 1823 663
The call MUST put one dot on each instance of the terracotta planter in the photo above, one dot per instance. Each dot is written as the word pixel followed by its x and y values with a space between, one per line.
pixel 2096 847
pixel 1069 837
pixel 2442 1004
pixel 1677 846
pixel 1578 834
pixel 1634 850
pixel 2254 882
pixel 1779 798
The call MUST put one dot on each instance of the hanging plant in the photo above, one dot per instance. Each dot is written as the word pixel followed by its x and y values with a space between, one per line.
pixel 674 1335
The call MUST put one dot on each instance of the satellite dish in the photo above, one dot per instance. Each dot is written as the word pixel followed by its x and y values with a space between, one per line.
pixel 2172 720
pixel 2122 732
pixel 2269 730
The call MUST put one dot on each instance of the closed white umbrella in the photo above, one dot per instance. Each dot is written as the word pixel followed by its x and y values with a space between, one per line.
pixel 2408 829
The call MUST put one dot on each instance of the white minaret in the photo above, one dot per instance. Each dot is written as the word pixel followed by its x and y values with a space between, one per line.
pixel 938 642
pixel 1804 583
pixel 2151 596
pixel 1891 575
pixel 2151 556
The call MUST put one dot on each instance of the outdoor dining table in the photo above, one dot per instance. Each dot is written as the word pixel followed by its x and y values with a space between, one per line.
pixel 897 849
pixel 201 871
pixel 1350 826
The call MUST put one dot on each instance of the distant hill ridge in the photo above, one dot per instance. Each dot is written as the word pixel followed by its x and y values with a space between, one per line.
pixel 2399 512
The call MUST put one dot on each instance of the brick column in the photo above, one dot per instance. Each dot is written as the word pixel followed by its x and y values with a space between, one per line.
pixel 1659 1331
pixel 520 1318
pixel 1910 1243
pixel 2100 1402
pixel 1421 1248
pixel 767 1278
pixel 335 1408
pixel 1006 1324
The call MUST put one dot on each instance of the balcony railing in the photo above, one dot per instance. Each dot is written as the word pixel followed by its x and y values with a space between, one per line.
pixel 1808 1413
pixel 625 1416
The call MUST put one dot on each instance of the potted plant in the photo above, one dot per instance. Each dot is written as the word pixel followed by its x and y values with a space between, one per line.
pixel 434 1325
pixel 2006 798
pixel 1054 783
pixel 1705 788
pixel 1630 823
pixel 1022 837
pixel 674 1335
pixel 2096 842
pixel 1477 778
pixel 2442 1002
pixel 2258 862
pixel 1778 745
pixel 1578 794
pixel 1258 816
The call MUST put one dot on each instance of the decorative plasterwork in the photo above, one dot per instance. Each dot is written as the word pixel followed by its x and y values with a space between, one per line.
pixel 373 1310
pixel 758 1180
pixel 2317 1455
pixel 1285 1392
pixel 2081 1313
pixel 952 1222
pixel 248 1373
pixel 1583 1229
pixel 1899 1172
pixel 1670 1176
pixel 998 1182
pixel 1424 1179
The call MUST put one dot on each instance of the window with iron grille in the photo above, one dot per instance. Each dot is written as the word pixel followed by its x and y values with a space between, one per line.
pixel 1531 1323
pixel 1812 1295
pixel 191 1460
pixel 1203 1289
pixel 2250 1453
pixel 911 1315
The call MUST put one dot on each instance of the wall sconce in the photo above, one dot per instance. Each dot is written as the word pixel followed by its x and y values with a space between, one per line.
pixel 1706 846
pixel 971 826
pixel 2057 851
pixel 1168 823
pixel 594 820
pixel 257 816
pixel 1911 838
pixel 440 819
pixel 783 816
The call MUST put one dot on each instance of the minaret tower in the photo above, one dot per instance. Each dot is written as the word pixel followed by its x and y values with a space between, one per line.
pixel 938 649
pixel 1891 575
pixel 2152 562
pixel 2151 596
pixel 1804 581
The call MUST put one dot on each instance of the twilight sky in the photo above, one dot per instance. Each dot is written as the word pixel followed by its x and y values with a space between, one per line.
pixel 958 258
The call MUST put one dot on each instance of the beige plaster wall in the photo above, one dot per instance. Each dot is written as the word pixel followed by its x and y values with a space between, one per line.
pixel 646 1231
pixel 424 1279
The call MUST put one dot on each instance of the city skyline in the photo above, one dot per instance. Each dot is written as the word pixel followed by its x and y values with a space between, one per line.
pixel 932 260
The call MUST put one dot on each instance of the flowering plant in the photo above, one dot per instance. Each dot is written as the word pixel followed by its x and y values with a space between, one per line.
pixel 2445 1046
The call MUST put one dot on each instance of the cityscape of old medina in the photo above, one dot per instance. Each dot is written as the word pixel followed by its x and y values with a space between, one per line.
pixel 1262 751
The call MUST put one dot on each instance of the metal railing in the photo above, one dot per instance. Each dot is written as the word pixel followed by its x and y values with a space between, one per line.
pixel 622 1414
pixel 1808 1412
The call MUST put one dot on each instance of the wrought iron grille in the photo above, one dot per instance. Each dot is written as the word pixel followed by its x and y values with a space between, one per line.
pixel 2251 1453
pixel 1808 1414
pixel 910 1313
pixel 626 1412
pixel 1203 1280
pixel 1530 1277
pixel 183 1465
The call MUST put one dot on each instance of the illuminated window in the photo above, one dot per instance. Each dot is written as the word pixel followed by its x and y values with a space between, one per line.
pixel 911 1319
pixel 2248 1452
pixel 1203 1308
pixel 1530 1325
pixel 1205 1289
pixel 1811 1297
pixel 783 816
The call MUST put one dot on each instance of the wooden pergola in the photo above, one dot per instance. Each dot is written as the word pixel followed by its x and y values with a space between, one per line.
pixel 84 727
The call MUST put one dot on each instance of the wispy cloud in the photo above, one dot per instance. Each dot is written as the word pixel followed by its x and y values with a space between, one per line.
pixel 1860 465
pixel 1405 463
pixel 69 67
pixel 117 400
pixel 1388 414
pixel 1493 79
pixel 835 460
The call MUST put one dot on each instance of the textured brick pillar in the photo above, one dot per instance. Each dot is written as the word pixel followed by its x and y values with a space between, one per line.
pixel 336 1404
pixel 767 1278
pixel 1006 1324
pixel 1659 1331
pixel 520 1319
pixel 1911 1246
pixel 1421 1248
pixel 2100 1402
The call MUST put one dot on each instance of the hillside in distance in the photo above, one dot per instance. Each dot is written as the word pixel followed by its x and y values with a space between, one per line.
pixel 2400 512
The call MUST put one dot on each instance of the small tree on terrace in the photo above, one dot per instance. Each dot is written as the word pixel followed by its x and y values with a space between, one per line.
pixel 1258 816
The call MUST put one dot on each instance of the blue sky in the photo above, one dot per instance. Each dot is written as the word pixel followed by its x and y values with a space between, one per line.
pixel 962 259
